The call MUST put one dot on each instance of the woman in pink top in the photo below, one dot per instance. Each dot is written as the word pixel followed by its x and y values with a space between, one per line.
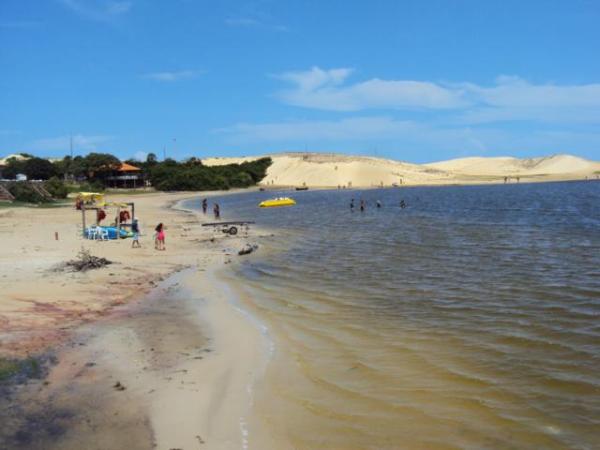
pixel 159 242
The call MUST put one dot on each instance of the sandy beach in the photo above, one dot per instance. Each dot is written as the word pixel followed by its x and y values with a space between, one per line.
pixel 150 347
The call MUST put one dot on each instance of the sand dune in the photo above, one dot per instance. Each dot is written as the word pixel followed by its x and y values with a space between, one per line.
pixel 332 170
pixel 506 166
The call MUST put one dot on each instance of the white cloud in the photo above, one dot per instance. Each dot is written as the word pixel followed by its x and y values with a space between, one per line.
pixel 173 76
pixel 345 129
pixel 63 143
pixel 510 98
pixel 516 99
pixel 140 156
pixel 325 89
pixel 100 10
pixel 412 137
pixel 365 129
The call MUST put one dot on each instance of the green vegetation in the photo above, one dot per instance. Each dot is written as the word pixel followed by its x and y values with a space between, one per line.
pixel 85 186
pixel 49 205
pixel 91 172
pixel 25 192
pixel 56 188
pixel 11 368
pixel 34 168
pixel 192 175
pixel 8 368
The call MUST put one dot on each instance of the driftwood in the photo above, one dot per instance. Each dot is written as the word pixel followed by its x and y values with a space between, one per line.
pixel 86 261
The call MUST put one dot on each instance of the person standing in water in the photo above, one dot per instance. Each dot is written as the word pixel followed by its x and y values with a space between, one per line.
pixel 378 204
pixel 352 205
pixel 204 205
pixel 362 206
pixel 402 204
pixel 217 211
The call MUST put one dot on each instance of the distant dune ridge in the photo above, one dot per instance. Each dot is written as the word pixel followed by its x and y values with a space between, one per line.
pixel 332 170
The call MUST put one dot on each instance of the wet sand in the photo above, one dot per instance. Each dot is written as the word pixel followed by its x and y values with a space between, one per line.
pixel 133 362
pixel 175 370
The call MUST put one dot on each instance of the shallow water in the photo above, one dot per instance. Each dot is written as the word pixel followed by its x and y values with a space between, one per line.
pixel 469 319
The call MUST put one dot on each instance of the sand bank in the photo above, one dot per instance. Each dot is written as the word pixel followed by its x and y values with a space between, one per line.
pixel 176 370
pixel 39 306
pixel 141 362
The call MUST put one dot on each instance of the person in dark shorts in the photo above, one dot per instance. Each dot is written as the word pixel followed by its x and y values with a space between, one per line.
pixel 217 211
pixel 204 205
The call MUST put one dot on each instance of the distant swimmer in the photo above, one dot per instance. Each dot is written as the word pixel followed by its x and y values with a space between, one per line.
pixel 378 204
pixel 362 206
pixel 352 205
pixel 402 204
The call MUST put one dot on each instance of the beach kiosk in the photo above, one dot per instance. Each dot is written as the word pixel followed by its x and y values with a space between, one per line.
pixel 94 201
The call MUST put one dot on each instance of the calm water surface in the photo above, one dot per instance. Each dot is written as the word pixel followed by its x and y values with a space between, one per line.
pixel 469 319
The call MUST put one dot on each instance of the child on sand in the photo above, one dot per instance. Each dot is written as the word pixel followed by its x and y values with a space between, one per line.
pixel 135 229
pixel 159 241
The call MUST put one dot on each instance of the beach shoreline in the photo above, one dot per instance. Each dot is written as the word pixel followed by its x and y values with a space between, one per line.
pixel 185 401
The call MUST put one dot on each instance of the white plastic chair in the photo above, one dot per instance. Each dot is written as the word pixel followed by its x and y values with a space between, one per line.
pixel 92 232
pixel 102 234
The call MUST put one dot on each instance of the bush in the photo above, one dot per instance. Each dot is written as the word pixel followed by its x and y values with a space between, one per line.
pixel 24 192
pixel 56 188
pixel 193 176
pixel 95 186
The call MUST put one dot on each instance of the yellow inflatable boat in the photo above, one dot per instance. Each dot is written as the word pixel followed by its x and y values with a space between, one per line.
pixel 280 201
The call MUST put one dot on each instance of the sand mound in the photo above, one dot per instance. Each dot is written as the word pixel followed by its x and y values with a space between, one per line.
pixel 332 170
pixel 507 166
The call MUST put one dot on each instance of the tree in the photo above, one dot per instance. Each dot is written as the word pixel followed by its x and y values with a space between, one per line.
pixel 151 159
pixel 13 167
pixel 99 165
pixel 56 188
pixel 38 169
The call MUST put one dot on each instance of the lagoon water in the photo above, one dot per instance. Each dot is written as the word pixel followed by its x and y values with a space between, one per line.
pixel 469 319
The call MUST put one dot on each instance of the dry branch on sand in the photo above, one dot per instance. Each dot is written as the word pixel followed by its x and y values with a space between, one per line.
pixel 85 261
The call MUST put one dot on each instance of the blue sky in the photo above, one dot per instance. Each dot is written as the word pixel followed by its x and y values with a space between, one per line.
pixel 412 80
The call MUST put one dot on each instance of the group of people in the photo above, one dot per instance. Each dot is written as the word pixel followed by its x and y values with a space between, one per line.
pixel 159 235
pixel 378 204
pixel 216 208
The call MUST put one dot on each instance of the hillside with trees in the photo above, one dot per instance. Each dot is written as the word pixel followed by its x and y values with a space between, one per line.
pixel 91 172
